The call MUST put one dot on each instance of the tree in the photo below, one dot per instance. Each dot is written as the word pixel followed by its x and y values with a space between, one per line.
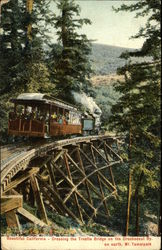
pixel 10 45
pixel 151 31
pixel 72 68
pixel 22 61
pixel 33 74
pixel 137 113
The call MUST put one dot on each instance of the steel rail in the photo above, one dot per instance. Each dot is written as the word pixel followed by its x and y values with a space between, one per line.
pixel 11 146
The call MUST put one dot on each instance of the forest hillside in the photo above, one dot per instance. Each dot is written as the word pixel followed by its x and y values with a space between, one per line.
pixel 105 58
pixel 105 61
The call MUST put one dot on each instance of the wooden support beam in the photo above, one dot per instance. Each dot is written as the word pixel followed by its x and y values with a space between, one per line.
pixel 10 202
pixel 99 181
pixel 58 156
pixel 60 181
pixel 13 192
pixel 73 151
pixel 86 182
pixel 110 169
pixel 39 199
pixel 75 195
pixel 99 144
pixel 85 176
pixel 74 186
pixel 107 182
pixel 83 180
pixel 45 161
pixel 30 217
pixel 59 198
pixel 45 177
pixel 98 152
pixel 45 171
pixel 114 153
pixel 52 176
pixel 12 220
pixel 21 179
pixel 53 201
pixel 97 209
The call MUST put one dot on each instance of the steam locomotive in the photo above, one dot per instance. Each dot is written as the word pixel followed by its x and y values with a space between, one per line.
pixel 39 115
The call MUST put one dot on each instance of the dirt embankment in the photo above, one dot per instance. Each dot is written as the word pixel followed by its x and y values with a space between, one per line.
pixel 105 79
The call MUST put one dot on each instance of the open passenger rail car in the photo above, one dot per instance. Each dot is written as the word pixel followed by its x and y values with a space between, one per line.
pixel 39 115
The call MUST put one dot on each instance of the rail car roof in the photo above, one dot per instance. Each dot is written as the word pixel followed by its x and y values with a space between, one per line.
pixel 38 98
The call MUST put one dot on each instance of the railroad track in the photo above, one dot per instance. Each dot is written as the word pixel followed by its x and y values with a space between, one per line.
pixel 9 151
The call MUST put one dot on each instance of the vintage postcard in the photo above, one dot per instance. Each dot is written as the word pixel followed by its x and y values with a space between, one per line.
pixel 80 124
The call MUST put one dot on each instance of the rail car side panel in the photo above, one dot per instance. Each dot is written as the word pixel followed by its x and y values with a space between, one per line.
pixel 64 129
pixel 24 127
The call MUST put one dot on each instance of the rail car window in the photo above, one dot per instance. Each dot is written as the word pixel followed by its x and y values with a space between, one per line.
pixel 20 111
pixel 29 112
pixel 64 116
pixel 61 118
pixel 74 118
pixel 67 117
pixel 59 115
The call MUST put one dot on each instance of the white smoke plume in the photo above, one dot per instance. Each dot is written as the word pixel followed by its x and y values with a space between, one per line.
pixel 87 102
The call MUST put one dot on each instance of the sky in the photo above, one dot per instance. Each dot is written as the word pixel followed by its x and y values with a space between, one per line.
pixel 108 27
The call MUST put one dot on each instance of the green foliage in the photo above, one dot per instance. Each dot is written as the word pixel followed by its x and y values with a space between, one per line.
pixel 151 31
pixel 105 96
pixel 138 112
pixel 72 67
pixel 32 210
pixel 105 59
pixel 136 115
pixel 3 224
pixel 95 229
pixel 61 221
pixel 22 62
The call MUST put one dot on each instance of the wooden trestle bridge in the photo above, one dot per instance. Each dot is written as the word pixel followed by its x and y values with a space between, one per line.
pixel 72 177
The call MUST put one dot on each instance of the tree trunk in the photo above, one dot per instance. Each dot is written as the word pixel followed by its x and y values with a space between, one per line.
pixel 137 197
pixel 129 184
pixel 128 204
pixel 137 214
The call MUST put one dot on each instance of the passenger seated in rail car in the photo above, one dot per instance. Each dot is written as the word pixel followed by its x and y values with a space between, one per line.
pixel 12 115
pixel 27 114
pixel 60 119
pixel 47 117
pixel 22 114
pixel 38 115
pixel 64 120
pixel 19 111
pixel 43 115
pixel 67 117
pixel 54 116
pixel 34 113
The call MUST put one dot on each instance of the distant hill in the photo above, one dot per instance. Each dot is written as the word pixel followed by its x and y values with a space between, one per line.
pixel 105 58
pixel 105 61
